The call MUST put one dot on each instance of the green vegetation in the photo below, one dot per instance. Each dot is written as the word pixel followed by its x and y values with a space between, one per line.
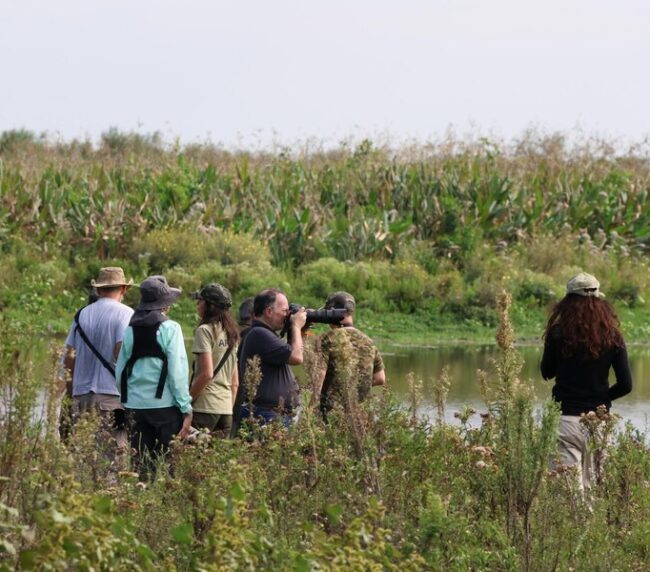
pixel 431 232
pixel 426 238
pixel 375 489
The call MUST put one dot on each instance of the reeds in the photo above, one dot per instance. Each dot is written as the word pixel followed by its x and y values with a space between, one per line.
pixel 368 202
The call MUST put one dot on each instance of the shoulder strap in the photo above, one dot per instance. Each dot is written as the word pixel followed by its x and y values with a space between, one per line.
pixel 222 361
pixel 145 344
pixel 91 347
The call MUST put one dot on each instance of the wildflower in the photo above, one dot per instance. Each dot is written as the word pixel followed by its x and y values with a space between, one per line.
pixel 480 464
pixel 483 451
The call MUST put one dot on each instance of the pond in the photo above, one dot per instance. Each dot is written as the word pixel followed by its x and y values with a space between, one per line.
pixel 464 361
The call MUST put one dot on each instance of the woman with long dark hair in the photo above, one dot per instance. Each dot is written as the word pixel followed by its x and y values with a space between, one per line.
pixel 215 379
pixel 582 342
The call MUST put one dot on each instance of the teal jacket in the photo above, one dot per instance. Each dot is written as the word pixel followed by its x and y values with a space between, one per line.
pixel 143 381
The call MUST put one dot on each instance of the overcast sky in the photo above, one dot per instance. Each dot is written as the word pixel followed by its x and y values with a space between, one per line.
pixel 244 71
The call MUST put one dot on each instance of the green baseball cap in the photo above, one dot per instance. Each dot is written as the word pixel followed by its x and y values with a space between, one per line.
pixel 214 294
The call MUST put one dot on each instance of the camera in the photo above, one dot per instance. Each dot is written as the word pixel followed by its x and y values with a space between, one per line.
pixel 333 316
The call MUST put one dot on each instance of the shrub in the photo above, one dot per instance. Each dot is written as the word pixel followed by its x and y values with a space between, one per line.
pixel 83 532
pixel 535 289
pixel 448 284
pixel 163 249
pixel 407 286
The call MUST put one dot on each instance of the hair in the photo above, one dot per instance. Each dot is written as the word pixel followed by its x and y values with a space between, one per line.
pixel 265 299
pixel 222 316
pixel 104 290
pixel 585 324
pixel 246 311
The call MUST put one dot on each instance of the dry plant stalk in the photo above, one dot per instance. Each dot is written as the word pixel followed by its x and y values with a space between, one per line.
pixel 509 367
pixel 312 361
pixel 252 379
pixel 441 387
pixel 415 386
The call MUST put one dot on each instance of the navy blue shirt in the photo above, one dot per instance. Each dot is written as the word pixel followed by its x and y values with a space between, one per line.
pixel 278 382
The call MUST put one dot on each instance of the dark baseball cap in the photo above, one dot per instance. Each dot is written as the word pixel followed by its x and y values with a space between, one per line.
pixel 214 294
pixel 341 301
pixel 156 294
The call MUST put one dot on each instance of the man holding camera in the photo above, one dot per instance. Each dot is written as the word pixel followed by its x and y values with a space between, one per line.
pixel 342 346
pixel 277 393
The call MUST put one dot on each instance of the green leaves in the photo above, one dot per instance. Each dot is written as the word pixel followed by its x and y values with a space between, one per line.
pixel 183 533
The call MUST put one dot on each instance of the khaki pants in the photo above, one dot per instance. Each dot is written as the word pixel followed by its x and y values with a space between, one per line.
pixel 573 447
pixel 217 423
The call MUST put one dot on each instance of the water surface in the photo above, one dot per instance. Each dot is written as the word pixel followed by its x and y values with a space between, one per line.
pixel 464 361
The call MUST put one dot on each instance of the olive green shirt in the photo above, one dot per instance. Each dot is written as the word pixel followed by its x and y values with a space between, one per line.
pixel 216 397
pixel 347 354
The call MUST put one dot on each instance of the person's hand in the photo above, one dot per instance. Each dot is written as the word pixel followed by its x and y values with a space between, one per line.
pixel 299 318
pixel 185 429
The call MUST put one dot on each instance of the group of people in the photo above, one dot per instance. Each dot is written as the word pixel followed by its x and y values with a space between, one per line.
pixel 134 362
pixel 132 366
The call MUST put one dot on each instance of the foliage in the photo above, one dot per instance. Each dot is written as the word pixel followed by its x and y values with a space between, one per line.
pixel 434 231
pixel 375 488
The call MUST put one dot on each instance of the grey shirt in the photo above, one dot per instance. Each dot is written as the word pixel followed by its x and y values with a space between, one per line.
pixel 104 322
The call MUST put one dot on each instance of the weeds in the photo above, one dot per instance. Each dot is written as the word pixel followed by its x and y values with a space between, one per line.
pixel 373 488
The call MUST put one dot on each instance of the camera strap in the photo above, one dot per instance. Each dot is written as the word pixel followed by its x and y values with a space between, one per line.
pixel 91 347
pixel 222 361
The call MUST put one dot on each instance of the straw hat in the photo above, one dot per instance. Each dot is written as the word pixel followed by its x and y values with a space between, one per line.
pixel 110 277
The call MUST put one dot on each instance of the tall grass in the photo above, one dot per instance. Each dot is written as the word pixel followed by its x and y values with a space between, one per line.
pixel 350 203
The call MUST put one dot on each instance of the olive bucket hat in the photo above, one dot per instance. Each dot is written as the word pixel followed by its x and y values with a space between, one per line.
pixel 214 294
pixel 156 294
pixel 584 284
pixel 340 301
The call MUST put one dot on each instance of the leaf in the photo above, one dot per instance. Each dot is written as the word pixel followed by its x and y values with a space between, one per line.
pixel 334 513
pixel 145 552
pixel 103 505
pixel 301 564
pixel 183 533
pixel 27 560
pixel 7 547
pixel 237 492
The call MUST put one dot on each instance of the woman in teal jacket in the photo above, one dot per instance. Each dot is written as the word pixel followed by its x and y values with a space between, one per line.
pixel 152 374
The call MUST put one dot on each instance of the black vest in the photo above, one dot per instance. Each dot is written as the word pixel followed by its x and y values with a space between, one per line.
pixel 145 344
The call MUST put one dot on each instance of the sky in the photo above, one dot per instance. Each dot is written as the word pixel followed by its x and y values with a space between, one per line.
pixel 250 72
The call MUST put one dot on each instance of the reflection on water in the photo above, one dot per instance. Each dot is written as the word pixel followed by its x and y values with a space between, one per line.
pixel 464 361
